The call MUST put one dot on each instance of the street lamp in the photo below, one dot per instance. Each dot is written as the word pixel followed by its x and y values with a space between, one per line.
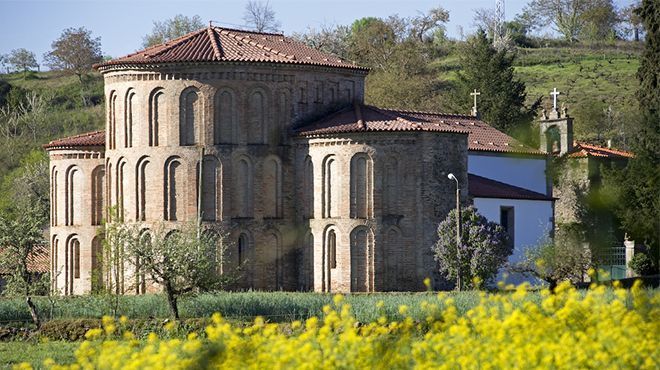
pixel 458 230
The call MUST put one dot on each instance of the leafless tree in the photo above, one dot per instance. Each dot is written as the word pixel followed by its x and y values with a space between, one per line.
pixel 260 16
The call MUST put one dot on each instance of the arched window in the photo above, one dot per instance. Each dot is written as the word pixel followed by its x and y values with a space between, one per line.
pixel 256 117
pixel 242 249
pixel 98 176
pixel 224 128
pixel 330 195
pixel 112 120
pixel 393 260
pixel 332 249
pixel 156 116
pixel 120 187
pixel 97 266
pixel 141 176
pixel 174 190
pixel 283 116
pixel 361 184
pixel 272 191
pixel 246 258
pixel 244 188
pixel 73 195
pixel 271 262
pixel 329 258
pixel 308 262
pixel 361 260
pixel 53 197
pixel 211 187
pixel 54 268
pixel 72 265
pixel 190 117
pixel 391 190
pixel 553 140
pixel 128 118
pixel 308 188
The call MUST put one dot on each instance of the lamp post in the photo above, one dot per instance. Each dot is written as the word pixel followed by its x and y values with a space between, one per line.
pixel 458 231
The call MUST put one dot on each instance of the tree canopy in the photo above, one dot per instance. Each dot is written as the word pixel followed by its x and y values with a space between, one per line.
pixel 75 51
pixel 172 28
pixel 260 16
pixel 22 60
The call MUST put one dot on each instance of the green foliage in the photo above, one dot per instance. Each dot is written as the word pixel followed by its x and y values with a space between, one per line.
pixel 642 265
pixel 172 28
pixel 75 51
pixel 22 60
pixel 483 251
pixel 35 352
pixel 491 72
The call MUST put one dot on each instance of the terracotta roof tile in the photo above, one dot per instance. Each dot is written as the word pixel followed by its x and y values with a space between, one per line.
pixel 216 44
pixel 96 138
pixel 481 187
pixel 583 150
pixel 39 261
pixel 482 136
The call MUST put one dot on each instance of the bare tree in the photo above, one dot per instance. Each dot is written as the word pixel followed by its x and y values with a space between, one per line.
pixel 172 28
pixel 75 52
pixel 260 16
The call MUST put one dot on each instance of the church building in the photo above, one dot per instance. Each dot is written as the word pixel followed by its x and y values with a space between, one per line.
pixel 271 140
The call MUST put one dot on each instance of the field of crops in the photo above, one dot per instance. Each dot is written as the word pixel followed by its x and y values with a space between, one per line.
pixel 600 328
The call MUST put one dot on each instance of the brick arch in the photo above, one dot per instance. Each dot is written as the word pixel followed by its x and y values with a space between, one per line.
pixel 257 111
pixel 225 117
pixel 112 120
pixel 272 187
pixel 243 199
pixel 191 116
pixel 98 195
pixel 211 198
pixel 362 259
pixel 129 117
pixel 361 186
pixel 73 195
pixel 174 189
pixel 329 256
pixel 392 259
pixel 156 132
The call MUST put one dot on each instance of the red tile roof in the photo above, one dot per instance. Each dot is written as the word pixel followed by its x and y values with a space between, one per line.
pixel 215 44
pixel 481 187
pixel 583 150
pixel 39 261
pixel 481 136
pixel 96 138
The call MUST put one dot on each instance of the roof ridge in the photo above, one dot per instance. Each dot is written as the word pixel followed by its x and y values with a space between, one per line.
pixel 214 42
pixel 228 29
pixel 594 146
pixel 431 113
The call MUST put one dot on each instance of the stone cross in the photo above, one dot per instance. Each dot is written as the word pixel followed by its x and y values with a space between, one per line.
pixel 554 94
pixel 475 94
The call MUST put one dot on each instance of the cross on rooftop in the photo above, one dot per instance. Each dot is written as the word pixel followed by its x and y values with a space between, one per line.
pixel 554 94
pixel 475 94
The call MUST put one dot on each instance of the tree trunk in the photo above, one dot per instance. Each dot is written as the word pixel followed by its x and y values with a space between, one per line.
pixel 33 311
pixel 171 300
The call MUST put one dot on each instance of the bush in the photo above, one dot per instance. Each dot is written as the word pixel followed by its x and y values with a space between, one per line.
pixel 642 265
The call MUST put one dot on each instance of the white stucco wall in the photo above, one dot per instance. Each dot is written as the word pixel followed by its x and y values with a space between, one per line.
pixel 528 173
pixel 532 223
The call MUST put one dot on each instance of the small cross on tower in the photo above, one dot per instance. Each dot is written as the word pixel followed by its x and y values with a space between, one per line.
pixel 474 94
pixel 554 94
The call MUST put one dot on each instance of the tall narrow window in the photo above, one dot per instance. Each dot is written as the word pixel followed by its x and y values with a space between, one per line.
pixel 271 262
pixel 210 189
pixel 242 249
pixel 174 190
pixel 256 118
pixel 190 118
pixel 224 128
pixel 76 258
pixel 141 175
pixel 272 180
pixel 112 120
pixel 283 116
pixel 244 188
pixel 391 187
pixel 73 196
pixel 128 119
pixel 361 186
pixel 330 189
pixel 120 187
pixel 98 176
pixel 156 116
pixel 97 267
pixel 393 260
pixel 53 197
pixel 54 245
pixel 332 249
pixel 308 188
pixel 109 201
pixel 507 221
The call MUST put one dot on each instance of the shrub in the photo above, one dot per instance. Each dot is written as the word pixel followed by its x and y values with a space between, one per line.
pixel 642 265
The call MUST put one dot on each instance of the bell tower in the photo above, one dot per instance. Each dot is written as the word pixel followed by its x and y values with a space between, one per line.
pixel 556 129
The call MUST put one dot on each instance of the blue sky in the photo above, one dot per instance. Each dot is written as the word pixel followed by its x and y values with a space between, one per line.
pixel 121 24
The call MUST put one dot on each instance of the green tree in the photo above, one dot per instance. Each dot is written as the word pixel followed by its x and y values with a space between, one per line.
pixel 75 51
pixel 22 240
pixel 172 28
pixel 502 99
pixel 22 60
pixel 483 251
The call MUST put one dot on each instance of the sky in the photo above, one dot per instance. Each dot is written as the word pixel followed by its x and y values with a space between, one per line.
pixel 122 24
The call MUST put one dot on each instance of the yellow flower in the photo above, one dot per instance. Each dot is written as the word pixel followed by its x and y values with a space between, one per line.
pixel 427 283
pixel 403 309
pixel 337 299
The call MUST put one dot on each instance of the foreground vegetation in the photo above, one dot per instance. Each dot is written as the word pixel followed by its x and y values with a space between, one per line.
pixel 570 329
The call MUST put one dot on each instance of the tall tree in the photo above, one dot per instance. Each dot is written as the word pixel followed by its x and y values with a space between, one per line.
pixel 572 18
pixel 260 16
pixel 172 28
pixel 638 185
pixel 502 99
pixel 22 60
pixel 75 52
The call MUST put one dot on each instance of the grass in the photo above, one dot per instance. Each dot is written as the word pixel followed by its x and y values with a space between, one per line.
pixel 12 353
